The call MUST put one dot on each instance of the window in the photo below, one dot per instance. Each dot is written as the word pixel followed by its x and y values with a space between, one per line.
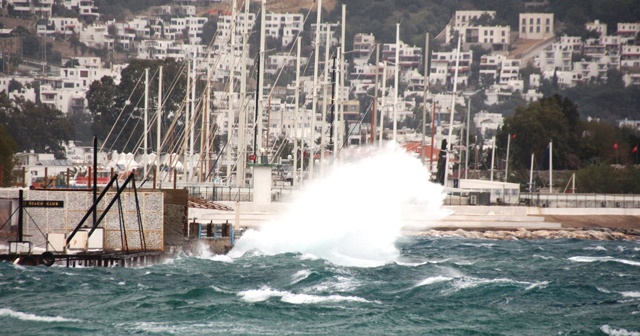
pixel 538 21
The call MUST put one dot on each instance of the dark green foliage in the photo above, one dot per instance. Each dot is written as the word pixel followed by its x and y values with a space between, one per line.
pixel 35 126
pixel 119 9
pixel 118 109
pixel 7 150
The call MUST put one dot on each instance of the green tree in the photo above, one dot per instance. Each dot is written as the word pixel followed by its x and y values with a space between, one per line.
pixel 532 129
pixel 21 117
pixel 7 151
pixel 118 109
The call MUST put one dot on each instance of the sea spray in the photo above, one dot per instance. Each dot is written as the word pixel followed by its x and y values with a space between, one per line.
pixel 353 215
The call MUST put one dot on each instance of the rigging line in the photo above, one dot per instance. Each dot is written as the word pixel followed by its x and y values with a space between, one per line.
pixel 119 115
pixel 8 219
pixel 36 225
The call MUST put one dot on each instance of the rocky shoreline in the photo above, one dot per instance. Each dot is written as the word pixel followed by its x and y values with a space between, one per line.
pixel 569 233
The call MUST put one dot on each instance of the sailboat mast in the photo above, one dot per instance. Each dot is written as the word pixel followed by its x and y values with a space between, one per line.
pixel 395 84
pixel 231 115
pixel 316 51
pixel 383 102
pixel 242 116
pixel 186 124
pixel 343 74
pixel 294 175
pixel 453 110
pixel 159 120
pixel 193 113
pixel 146 121
pixel 262 56
pixel 326 82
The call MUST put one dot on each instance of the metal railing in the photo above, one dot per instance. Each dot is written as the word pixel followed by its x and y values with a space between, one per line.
pixel 546 200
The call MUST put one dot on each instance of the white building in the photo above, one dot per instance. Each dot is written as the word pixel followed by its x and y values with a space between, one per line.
pixel 410 57
pixel 443 66
pixel 597 26
pixel 628 31
pixel 536 26
pixel 555 57
pixel 97 36
pixel 284 26
pixel 630 56
pixel 40 8
pixel 85 8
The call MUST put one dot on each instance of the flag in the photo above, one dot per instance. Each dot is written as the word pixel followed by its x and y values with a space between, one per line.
pixel 635 149
pixel 513 136
pixel 615 146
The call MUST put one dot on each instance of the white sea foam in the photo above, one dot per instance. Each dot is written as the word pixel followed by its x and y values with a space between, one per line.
pixel 631 294
pixel 32 317
pixel 596 248
pixel 265 293
pixel 416 264
pixel 337 284
pixel 617 332
pixel 542 257
pixel 535 285
pixel 603 259
pixel 352 216
pixel 433 280
pixel 300 275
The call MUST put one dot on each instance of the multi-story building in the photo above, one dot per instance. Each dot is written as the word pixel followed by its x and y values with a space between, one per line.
pixel 85 8
pixel 284 26
pixel 410 57
pixel 188 28
pixel 97 36
pixel 443 67
pixel 469 26
pixel 536 26
pixel 630 56
pixel 556 57
pixel 59 25
pixel 628 31
pixel 597 26
pixel 40 8
pixel 363 47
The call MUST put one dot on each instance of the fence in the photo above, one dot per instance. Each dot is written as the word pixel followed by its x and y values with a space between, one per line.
pixel 546 200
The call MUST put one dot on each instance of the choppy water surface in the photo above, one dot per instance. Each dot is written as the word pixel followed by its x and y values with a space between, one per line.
pixel 436 287
pixel 338 265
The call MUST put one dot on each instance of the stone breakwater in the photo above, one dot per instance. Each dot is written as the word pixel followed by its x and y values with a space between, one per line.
pixel 574 233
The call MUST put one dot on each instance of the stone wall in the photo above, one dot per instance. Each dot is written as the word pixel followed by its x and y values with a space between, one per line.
pixel 38 222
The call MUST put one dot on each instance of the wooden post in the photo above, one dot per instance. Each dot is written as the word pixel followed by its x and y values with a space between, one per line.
pixel 175 178
pixel 46 177
pixel 24 177
pixel 67 179
pixel 155 175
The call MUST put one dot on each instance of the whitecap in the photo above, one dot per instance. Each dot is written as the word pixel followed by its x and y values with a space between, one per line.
pixel 308 256
pixel 265 293
pixel 542 284
pixel 337 284
pixel 122 283
pixel 542 257
pixel 300 275
pixel 311 299
pixel 433 280
pixel 32 317
pixel 600 259
pixel 596 248
pixel 421 263
pixel 259 295
pixel 631 294
pixel 617 332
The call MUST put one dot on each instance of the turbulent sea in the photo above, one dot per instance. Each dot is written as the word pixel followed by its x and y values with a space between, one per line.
pixel 338 264
pixel 438 286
